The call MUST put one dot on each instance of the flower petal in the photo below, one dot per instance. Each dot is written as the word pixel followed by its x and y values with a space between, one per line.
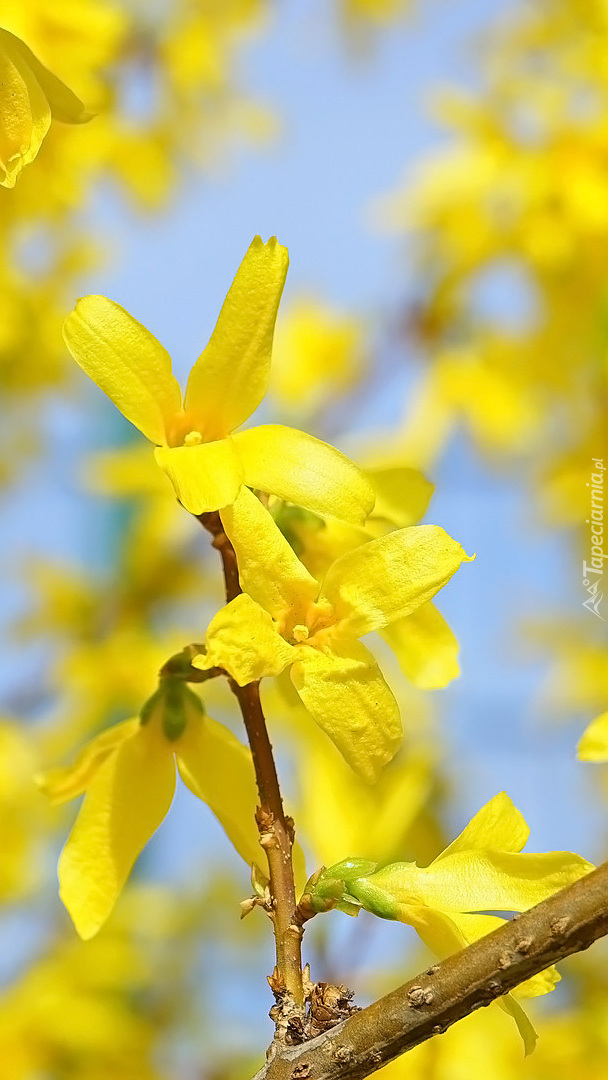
pixel 498 826
pixel 521 1018
pixel 218 769
pixel 345 692
pixel 303 470
pixel 125 803
pixel 126 361
pixel 538 985
pixel 25 115
pixel 243 640
pixel 230 377
pixel 390 577
pixel 205 477
pixel 68 781
pixel 64 104
pixel 402 494
pixel 593 745
pixel 426 648
pixel 269 569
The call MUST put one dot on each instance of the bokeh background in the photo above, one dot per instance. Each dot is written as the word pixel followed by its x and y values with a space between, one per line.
pixel 439 173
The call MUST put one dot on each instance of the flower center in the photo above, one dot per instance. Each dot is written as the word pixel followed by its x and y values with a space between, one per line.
pixel 317 623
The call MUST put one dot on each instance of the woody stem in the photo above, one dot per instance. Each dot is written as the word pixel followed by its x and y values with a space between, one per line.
pixel 276 829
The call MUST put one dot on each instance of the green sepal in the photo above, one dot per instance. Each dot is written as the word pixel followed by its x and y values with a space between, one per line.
pixel 179 666
pixel 375 900
pixel 172 705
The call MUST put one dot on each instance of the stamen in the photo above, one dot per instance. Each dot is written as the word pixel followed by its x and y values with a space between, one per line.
pixel 300 633
pixel 193 438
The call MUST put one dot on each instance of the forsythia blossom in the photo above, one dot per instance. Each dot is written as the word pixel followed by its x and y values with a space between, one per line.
pixel 196 444
pixel 128 774
pixel 30 97
pixel 448 902
pixel 286 618
pixel 424 645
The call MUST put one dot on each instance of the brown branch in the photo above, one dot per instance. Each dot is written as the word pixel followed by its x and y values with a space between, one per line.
pixel 567 922
pixel 212 522
pixel 276 829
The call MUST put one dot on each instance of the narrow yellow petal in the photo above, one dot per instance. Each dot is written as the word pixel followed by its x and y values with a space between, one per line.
pixel 243 640
pixel 25 115
pixel 230 377
pixel 440 932
pixel 269 569
pixel 426 648
pixel 219 770
pixel 64 104
pixel 303 470
pixel 388 578
pixel 125 803
pixel 205 477
pixel 402 495
pixel 126 361
pixel 593 745
pixel 345 692
pixel 521 1018
pixel 68 781
pixel 499 826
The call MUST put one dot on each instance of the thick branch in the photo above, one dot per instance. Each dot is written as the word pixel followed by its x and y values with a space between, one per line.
pixel 276 830
pixel 567 922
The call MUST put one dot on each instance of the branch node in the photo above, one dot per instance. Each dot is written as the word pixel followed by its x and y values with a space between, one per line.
pixel 419 996
pixel 344 1054
pixel 524 945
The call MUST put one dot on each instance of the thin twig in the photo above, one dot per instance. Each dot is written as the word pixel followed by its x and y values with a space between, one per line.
pixel 567 922
pixel 276 829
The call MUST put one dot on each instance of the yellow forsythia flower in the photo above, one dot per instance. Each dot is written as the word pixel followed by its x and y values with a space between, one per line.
pixel 128 774
pixel 195 444
pixel 290 620
pixel 30 96
pixel 425 646
pixel 482 870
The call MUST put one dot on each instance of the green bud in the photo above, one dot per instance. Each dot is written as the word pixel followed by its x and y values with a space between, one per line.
pixel 331 887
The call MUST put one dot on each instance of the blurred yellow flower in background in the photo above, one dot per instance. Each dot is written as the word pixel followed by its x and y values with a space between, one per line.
pixel 30 97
